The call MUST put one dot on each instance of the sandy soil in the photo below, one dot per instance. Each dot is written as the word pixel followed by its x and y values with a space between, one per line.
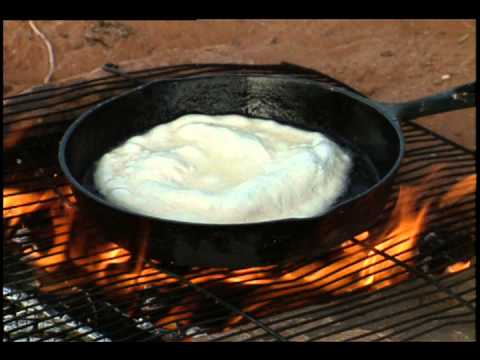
pixel 387 60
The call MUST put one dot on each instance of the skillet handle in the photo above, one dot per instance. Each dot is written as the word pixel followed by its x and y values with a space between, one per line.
pixel 457 98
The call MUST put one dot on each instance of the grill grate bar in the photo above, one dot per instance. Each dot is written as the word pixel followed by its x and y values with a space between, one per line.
pixel 441 138
pixel 48 114
pixel 347 299
pixel 410 310
pixel 360 314
pixel 439 327
pixel 54 104
pixel 116 322
pixel 454 176
pixel 417 325
pixel 91 83
pixel 335 306
pixel 224 337
pixel 465 163
pixel 210 295
pixel 44 315
pixel 418 273
pixel 201 275
pixel 418 139
pixel 332 261
pixel 99 91
pixel 421 142
pixel 120 325
pixel 432 149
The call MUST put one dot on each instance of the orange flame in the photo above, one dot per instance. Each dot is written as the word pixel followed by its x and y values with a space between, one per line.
pixel 401 239
pixel 459 190
pixel 460 266
pixel 353 267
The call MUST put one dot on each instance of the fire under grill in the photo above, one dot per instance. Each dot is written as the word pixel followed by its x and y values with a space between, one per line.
pixel 410 277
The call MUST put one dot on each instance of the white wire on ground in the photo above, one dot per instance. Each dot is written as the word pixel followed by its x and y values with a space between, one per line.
pixel 51 58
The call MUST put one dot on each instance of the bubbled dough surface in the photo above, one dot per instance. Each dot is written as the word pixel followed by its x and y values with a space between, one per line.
pixel 224 169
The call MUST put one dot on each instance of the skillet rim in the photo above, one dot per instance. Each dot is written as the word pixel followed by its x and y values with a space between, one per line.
pixel 378 107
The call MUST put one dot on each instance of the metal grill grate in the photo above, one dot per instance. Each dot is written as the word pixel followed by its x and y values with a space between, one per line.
pixel 52 294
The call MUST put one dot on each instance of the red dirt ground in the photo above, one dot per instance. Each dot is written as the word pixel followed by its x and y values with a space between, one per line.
pixel 387 60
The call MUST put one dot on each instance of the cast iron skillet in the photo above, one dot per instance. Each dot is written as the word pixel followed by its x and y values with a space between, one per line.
pixel 368 129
